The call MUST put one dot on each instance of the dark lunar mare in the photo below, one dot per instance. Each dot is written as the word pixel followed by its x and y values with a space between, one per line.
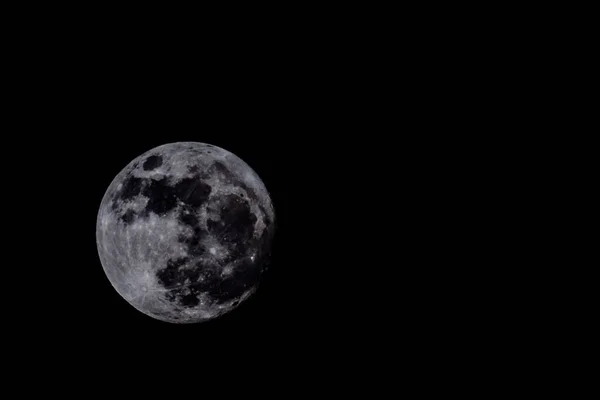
pixel 152 162
pixel 244 277
pixel 235 229
pixel 128 216
pixel 161 196
pixel 131 187
pixel 188 217
pixel 170 276
pixel 220 289
pixel 192 191
pixel 236 222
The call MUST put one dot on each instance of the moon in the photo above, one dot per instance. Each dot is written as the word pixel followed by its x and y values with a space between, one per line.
pixel 184 232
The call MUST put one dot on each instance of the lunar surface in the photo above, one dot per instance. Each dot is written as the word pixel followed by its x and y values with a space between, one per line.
pixel 184 232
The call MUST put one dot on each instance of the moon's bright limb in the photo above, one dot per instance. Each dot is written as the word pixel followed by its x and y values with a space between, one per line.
pixel 184 231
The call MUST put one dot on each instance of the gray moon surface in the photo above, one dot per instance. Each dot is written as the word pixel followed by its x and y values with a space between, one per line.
pixel 184 232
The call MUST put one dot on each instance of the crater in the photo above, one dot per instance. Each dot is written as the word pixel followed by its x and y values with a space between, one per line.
pixel 152 162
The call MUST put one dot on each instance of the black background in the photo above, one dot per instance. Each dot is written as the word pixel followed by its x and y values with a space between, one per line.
pixel 325 286
pixel 390 147
pixel 353 266
pixel 362 183
pixel 356 152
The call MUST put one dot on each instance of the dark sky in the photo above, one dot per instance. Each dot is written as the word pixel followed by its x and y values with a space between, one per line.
pixel 342 160
pixel 339 267
pixel 373 143
pixel 306 292
pixel 366 258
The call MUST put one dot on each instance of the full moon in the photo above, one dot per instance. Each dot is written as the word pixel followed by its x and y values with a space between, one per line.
pixel 184 232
